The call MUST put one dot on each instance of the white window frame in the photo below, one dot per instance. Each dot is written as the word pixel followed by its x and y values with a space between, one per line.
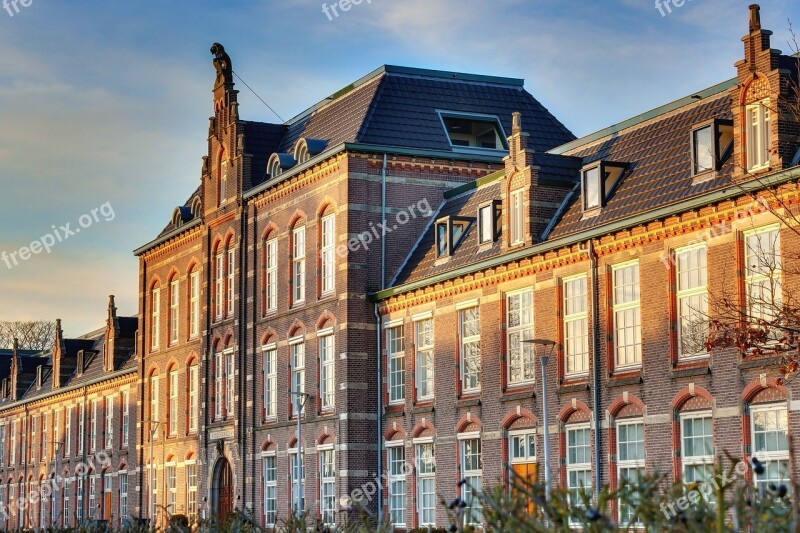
pixel 154 393
pixel 194 397
pixel 299 264
pixel 327 253
pixel 524 332
pixel 474 477
pixel 584 468
pixel 270 488
pixel 194 303
pixel 109 436
pixel 487 230
pixel 690 292
pixel 123 494
pixel 772 274
pixel 95 424
pixel 327 482
pixel 81 427
pixel 297 359
pixel 155 318
pixel 191 490
pixel 67 430
pixel 174 311
pixel 758 118
pixel 293 457
pixel 426 482
pixel 171 482
pixel 125 400
pixel 219 387
pixel 624 307
pixel 576 325
pixel 396 481
pixel 327 369
pixel 424 355
pixel 768 457
pixel 92 493
pixel 231 281
pixel 219 282
pixel 272 275
pixel 230 381
pixel 269 354
pixel 396 362
pixel 528 436
pixel 695 460
pixel 516 217
pixel 173 401
pixel 470 371
pixel 628 465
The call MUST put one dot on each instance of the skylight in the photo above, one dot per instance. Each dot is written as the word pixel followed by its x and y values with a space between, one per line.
pixel 473 132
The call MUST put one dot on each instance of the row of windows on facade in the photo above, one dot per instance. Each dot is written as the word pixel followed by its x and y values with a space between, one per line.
pixel 224 282
pixel 769 430
pixel 49 435
pixel 190 391
pixel 763 290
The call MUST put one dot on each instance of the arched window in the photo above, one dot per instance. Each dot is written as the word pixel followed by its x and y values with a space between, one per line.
pixel 222 179
pixel 327 252
pixel 301 154
pixel 271 272
pixel 193 396
pixel 155 316
pixel 224 271
pixel 274 166
pixel 172 405
pixel 174 309
pixel 298 243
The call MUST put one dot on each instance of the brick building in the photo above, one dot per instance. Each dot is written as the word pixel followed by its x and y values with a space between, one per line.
pixel 67 423
pixel 619 248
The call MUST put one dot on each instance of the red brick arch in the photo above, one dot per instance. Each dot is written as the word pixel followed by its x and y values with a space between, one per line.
pixel 326 319
pixel 268 335
pixel 512 417
pixel 468 420
pixel 686 394
pixel 757 386
pixel 326 203
pixel 269 230
pixel 297 326
pixel 297 217
pixel 421 426
pixel 568 410
pixel 621 402
pixel 393 432
pixel 323 436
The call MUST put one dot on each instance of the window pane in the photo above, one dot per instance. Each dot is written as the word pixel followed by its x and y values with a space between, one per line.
pixel 703 150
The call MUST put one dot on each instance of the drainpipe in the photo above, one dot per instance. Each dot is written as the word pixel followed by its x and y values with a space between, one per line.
pixel 379 414
pixel 596 364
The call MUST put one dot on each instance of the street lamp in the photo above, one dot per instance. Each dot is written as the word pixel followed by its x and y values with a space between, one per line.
pixel 300 399
pixel 57 445
pixel 545 358
pixel 153 428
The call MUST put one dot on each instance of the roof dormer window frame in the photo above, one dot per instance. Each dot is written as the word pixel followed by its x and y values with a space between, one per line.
pixel 501 137
pixel 608 176
pixel 493 208
pixel 446 238
pixel 721 144
pixel 274 166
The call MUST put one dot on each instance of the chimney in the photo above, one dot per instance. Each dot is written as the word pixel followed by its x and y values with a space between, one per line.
pixel 58 351
pixel 755 17
pixel 16 370
pixel 112 332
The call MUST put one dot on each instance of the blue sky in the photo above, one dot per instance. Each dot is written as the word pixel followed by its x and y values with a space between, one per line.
pixel 108 102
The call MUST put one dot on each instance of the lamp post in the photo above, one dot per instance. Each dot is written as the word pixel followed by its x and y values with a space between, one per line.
pixel 544 359
pixel 300 399
pixel 153 428
pixel 57 446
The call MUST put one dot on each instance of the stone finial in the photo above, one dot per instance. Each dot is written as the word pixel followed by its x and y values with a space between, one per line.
pixel 516 122
pixel 112 308
pixel 755 18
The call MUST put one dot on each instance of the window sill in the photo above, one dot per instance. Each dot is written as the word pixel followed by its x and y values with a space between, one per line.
pixel 702 177
pixel 516 395
pixel 625 377
pixel 469 402
pixel 423 409
pixel 572 385
pixel 759 362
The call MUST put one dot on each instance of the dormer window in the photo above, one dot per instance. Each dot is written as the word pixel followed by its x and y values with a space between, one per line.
pixel 517 217
pixel 711 145
pixel 449 233
pixel 598 182
pixel 759 140
pixel 301 154
pixel 487 223
pixel 274 167
pixel 473 132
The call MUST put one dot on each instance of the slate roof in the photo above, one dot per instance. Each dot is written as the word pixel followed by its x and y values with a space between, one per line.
pixel 658 156
pixel 92 344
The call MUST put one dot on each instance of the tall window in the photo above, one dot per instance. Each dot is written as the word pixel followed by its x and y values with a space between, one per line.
pixel 472 474
pixel 517 217
pixel 109 440
pixel 299 264
pixel 194 303
pixel 56 437
pixel 194 397
pixel 327 486
pixel 692 286
pixel 470 334
pixel 486 224
pixel 519 329
pixel 219 384
pixel 230 284
pixel 155 321
pixel 395 346
pixel 174 302
pixel 327 372
pixel 13 459
pixel 230 376
pixel 425 358
pixel 67 431
pixel 770 444
pixel 763 273
pixel 172 488
pixel 579 464
pixel 703 150
pixel 92 494
pixel 2 446
pixel 32 447
pixel 328 255
pixel 297 354
pixel 154 397
pixel 272 275
pixel 627 315
pixel 79 500
pixel 697 447
pixel 270 490
pixel 270 376
pixel 298 475
pixel 81 427
pixel 95 424
pixel 66 513
pixel 223 182
pixel 396 458
pixel 426 484
pixel 630 461
pixel 126 417
pixel 191 491
pixel 123 495
pixel 43 444
pixel 576 326
pixel 759 140
pixel 172 415
pixel 219 283
pixel 592 188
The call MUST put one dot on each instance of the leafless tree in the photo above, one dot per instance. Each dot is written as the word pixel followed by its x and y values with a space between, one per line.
pixel 32 335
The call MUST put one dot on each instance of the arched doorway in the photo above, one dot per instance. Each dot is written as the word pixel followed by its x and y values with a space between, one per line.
pixel 222 489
